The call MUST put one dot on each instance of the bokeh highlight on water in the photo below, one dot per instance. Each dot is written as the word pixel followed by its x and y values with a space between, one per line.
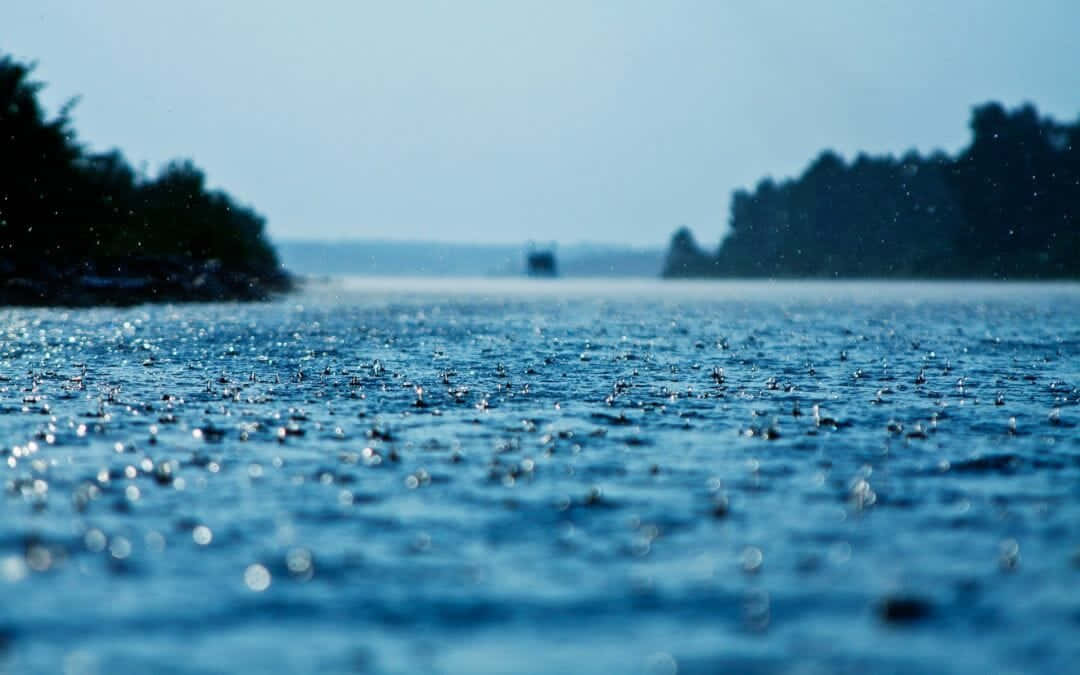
pixel 500 476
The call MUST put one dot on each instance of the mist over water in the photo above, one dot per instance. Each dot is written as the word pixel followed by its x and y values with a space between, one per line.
pixel 416 475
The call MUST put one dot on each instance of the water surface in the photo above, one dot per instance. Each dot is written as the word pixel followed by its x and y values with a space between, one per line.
pixel 508 476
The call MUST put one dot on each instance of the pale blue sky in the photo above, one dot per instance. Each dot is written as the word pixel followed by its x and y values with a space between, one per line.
pixel 507 121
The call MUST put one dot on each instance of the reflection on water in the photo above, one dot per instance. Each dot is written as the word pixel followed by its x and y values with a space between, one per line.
pixel 546 476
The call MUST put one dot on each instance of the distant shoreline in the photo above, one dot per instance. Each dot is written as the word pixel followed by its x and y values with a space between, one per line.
pixel 1004 207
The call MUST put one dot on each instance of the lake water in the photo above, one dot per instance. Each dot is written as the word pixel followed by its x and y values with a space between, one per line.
pixel 506 476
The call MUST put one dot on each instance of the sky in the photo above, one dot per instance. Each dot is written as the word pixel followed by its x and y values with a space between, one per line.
pixel 507 121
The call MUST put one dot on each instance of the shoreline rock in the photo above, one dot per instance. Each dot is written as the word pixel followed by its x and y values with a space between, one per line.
pixel 134 281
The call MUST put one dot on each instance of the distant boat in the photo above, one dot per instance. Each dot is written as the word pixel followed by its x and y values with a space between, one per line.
pixel 540 263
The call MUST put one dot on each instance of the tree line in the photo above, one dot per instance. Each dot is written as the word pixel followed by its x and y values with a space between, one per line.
pixel 1007 206
pixel 66 210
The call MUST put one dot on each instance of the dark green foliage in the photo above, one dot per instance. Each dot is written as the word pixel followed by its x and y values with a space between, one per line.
pixel 686 259
pixel 1006 207
pixel 64 211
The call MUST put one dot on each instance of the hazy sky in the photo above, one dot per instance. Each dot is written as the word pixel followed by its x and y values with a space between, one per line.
pixel 507 120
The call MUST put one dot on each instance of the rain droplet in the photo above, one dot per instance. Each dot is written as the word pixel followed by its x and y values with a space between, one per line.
pixel 202 535
pixel 257 578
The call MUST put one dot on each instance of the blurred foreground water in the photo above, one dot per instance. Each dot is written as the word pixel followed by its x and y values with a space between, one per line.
pixel 499 476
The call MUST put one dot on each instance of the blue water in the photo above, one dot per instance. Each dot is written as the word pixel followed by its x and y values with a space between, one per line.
pixel 501 476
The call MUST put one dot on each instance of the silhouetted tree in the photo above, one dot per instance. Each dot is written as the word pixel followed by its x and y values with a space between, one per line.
pixel 63 209
pixel 685 258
